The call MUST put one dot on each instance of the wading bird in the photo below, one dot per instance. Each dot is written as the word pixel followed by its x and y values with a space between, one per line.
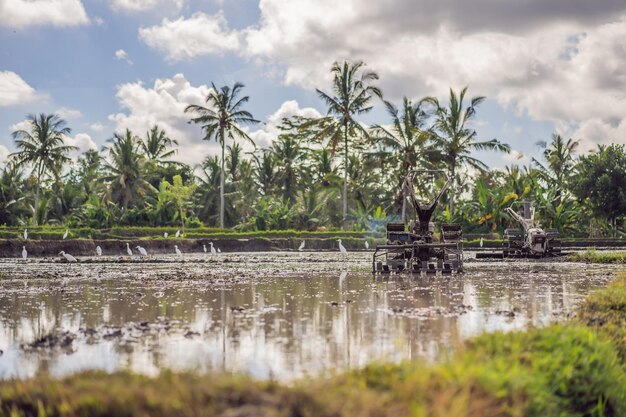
pixel 25 234
pixel 204 247
pixel 301 247
pixel 177 233
pixel 67 256
pixel 67 232
pixel 178 252
pixel 129 251
pixel 341 248
pixel 213 251
pixel 481 242
pixel 165 235
pixel 24 253
pixel 98 251
pixel 142 251
pixel 218 250
pixel 367 245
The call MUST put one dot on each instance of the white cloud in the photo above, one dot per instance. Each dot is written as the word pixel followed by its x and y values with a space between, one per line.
pixel 4 154
pixel 562 63
pixel 82 141
pixel 145 5
pixel 264 137
pixel 14 90
pixel 23 125
pixel 164 104
pixel 24 13
pixel 66 113
pixel 514 156
pixel 96 127
pixel 98 21
pixel 121 55
pixel 201 34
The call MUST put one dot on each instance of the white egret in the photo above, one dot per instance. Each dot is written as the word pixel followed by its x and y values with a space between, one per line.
pixel 218 250
pixel 367 245
pixel 142 251
pixel 129 251
pixel 481 242
pixel 177 233
pixel 98 251
pixel 67 256
pixel 67 232
pixel 165 235
pixel 178 252
pixel 204 247
pixel 24 253
pixel 213 251
pixel 301 247
pixel 341 248
pixel 25 234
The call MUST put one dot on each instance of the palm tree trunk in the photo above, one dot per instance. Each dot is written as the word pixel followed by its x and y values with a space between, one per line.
pixel 222 181
pixel 403 202
pixel 345 176
pixel 452 191
pixel 182 220
pixel 36 208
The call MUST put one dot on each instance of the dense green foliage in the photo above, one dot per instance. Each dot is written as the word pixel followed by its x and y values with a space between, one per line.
pixel 576 369
pixel 601 179
pixel 296 183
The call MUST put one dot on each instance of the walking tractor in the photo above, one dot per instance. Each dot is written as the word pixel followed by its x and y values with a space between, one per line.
pixel 413 247
pixel 530 241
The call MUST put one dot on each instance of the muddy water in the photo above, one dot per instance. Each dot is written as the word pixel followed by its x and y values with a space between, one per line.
pixel 275 315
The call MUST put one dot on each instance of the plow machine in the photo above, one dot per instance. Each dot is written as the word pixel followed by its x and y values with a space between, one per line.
pixel 413 247
pixel 529 241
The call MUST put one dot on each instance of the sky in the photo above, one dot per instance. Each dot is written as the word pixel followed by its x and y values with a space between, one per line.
pixel 107 65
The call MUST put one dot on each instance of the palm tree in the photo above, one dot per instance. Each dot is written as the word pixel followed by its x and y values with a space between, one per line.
pixel 456 140
pixel 289 156
pixel 351 95
pixel 221 119
pixel 125 169
pixel 407 139
pixel 156 146
pixel 559 157
pixel 43 148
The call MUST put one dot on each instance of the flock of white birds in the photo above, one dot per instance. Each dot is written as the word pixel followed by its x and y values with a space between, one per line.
pixel 144 253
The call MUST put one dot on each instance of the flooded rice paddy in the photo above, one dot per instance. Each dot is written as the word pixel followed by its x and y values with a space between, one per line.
pixel 270 315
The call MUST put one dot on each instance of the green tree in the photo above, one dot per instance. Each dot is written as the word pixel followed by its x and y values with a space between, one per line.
pixel 43 148
pixel 600 180
pixel 220 120
pixel 180 194
pixel 12 186
pixel 351 95
pixel 406 141
pixel 559 157
pixel 125 169
pixel 456 140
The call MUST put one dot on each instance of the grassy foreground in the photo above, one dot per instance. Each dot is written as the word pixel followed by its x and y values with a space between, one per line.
pixel 575 369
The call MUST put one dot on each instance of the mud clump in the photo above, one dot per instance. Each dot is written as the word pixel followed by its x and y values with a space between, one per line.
pixel 57 339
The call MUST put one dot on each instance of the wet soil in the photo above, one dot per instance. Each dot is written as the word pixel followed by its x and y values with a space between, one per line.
pixel 272 315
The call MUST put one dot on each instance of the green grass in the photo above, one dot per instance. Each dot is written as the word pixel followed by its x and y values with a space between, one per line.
pixel 595 257
pixel 574 369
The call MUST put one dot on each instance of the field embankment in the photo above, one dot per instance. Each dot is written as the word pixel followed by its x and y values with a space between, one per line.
pixel 574 369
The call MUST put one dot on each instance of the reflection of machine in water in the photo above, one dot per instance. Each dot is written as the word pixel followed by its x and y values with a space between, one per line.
pixel 417 250
pixel 531 240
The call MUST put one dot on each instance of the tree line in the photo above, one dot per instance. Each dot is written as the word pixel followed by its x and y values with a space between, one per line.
pixel 319 173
